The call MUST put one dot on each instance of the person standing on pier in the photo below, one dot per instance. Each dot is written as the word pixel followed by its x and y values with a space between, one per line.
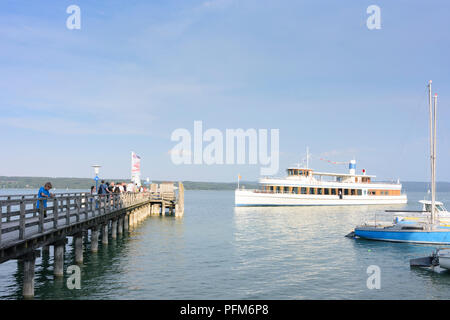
pixel 103 189
pixel 117 188
pixel 130 187
pixel 44 192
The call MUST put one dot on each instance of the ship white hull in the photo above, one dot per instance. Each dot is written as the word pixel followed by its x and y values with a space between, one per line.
pixel 249 198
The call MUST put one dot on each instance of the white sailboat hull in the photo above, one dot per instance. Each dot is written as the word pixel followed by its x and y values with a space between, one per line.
pixel 444 259
pixel 251 198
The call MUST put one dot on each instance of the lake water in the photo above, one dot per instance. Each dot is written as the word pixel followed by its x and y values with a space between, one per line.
pixel 217 251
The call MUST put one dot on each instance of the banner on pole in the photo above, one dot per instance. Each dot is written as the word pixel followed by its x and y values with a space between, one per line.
pixel 135 168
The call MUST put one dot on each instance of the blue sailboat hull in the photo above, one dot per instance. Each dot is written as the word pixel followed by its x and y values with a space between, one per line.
pixel 428 237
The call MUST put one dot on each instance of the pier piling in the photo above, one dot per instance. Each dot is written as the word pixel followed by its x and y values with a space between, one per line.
pixel 94 239
pixel 58 265
pixel 105 232
pixel 114 229
pixel 29 261
pixel 78 243
pixel 120 227
pixel 125 222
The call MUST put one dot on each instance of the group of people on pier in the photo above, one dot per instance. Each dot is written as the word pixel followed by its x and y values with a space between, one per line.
pixel 106 188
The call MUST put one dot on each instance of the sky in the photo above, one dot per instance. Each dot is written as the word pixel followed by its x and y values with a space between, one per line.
pixel 136 71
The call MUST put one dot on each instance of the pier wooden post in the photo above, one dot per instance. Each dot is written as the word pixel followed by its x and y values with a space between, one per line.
pixel 58 268
pixel 105 233
pixel 78 243
pixel 130 220
pixel 126 222
pixel 114 228
pixel 179 206
pixel 94 239
pixel 29 261
pixel 133 218
pixel 120 227
pixel 45 250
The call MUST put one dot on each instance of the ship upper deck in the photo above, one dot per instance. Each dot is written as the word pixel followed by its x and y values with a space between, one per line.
pixel 306 172
pixel 307 176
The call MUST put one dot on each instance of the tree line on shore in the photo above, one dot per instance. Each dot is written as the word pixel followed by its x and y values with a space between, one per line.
pixel 86 183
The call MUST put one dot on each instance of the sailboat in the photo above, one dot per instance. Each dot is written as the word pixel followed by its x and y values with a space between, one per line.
pixel 429 231
pixel 440 257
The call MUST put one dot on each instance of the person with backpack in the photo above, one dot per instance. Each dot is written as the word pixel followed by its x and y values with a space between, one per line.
pixel 103 189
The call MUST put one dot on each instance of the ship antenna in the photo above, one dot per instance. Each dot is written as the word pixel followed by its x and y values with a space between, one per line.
pixel 307 157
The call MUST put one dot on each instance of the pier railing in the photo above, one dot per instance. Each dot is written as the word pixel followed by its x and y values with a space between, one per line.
pixel 20 216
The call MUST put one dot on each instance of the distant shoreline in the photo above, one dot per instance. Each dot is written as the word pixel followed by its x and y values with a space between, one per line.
pixel 86 183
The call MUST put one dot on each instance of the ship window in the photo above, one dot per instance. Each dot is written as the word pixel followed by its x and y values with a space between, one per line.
pixel 359 192
pixel 303 190
pixel 333 192
pixel 319 191
pixel 327 191
pixel 353 192
pixel 346 192
pixel 286 189
pixel 295 190
pixel 312 191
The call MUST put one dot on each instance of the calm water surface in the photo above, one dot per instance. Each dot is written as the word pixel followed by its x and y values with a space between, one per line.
pixel 217 251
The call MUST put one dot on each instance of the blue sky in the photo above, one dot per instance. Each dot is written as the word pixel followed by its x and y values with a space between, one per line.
pixel 138 70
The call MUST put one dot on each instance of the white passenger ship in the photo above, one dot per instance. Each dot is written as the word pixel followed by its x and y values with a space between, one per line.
pixel 304 187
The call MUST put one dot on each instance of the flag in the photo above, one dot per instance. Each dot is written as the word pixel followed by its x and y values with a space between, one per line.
pixel 135 168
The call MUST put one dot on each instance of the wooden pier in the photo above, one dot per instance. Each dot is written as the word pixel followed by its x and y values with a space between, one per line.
pixel 26 231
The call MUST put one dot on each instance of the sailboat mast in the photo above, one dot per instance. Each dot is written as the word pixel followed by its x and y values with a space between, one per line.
pixel 433 193
pixel 430 104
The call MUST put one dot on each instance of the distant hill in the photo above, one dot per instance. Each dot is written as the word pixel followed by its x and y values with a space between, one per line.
pixel 425 186
pixel 86 183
